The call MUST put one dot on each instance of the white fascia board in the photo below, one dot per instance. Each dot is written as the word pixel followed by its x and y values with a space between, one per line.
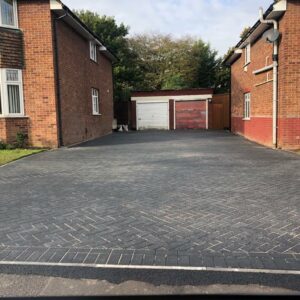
pixel 280 6
pixel 55 4
pixel 176 98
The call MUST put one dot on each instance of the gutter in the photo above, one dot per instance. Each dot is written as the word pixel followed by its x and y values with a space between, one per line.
pixel 275 76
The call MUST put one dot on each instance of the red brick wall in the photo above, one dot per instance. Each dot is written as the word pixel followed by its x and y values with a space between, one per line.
pixel 38 75
pixel 133 115
pixel 10 127
pixel 289 78
pixel 258 128
pixel 172 114
pixel 78 74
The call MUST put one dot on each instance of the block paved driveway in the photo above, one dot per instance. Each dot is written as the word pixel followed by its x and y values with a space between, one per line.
pixel 186 198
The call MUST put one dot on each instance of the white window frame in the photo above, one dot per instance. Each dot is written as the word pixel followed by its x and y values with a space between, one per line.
pixel 93 51
pixel 247 106
pixel 248 54
pixel 96 102
pixel 15 11
pixel 4 93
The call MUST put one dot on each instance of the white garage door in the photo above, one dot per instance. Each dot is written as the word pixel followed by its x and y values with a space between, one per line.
pixel 153 115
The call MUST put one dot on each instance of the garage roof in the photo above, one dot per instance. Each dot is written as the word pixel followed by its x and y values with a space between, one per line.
pixel 182 92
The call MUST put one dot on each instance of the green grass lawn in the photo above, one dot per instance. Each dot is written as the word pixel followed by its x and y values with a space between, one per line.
pixel 7 156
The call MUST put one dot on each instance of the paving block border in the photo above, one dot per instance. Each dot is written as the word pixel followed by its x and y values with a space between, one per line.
pixel 150 258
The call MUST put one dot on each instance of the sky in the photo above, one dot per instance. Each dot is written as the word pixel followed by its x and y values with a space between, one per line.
pixel 218 22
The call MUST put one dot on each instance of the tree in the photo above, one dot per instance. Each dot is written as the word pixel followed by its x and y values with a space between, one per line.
pixel 170 63
pixel 223 74
pixel 206 62
pixel 245 32
pixel 127 73
pixel 156 61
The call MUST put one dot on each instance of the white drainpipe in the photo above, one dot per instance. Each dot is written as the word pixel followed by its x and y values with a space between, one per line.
pixel 275 75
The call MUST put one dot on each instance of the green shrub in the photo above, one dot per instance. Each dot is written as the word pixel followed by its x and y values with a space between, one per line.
pixel 2 146
pixel 10 147
pixel 21 140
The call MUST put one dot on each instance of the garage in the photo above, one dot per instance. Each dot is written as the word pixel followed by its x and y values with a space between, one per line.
pixel 191 115
pixel 179 109
pixel 153 115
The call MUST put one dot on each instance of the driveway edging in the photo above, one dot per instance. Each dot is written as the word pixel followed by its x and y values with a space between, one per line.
pixel 166 268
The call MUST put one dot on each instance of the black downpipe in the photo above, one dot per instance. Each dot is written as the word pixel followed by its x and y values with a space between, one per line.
pixel 58 94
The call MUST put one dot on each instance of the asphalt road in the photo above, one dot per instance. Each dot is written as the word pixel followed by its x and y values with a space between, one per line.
pixel 37 281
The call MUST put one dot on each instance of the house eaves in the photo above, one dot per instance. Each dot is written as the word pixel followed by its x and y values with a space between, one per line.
pixel 275 11
pixel 74 22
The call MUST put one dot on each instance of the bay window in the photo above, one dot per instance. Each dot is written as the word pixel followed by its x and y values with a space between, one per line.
pixel 11 93
pixel 8 13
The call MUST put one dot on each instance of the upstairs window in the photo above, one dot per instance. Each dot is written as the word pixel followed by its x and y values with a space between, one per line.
pixel 11 93
pixel 93 51
pixel 8 13
pixel 95 102
pixel 248 54
pixel 247 106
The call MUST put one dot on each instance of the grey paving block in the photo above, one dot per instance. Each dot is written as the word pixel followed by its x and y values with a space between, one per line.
pixel 194 198
pixel 102 259
pixel 220 262
pixel 172 260
pixel 58 256
pixel 148 260
pixel 184 261
pixel 68 258
pixel 79 258
pixel 137 259
pixel 160 260
pixel 91 258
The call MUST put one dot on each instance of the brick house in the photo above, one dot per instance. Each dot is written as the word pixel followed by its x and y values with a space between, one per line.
pixel 55 75
pixel 265 78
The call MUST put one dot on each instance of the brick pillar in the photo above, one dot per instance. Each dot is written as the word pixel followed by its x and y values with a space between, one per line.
pixel 133 114
pixel 172 114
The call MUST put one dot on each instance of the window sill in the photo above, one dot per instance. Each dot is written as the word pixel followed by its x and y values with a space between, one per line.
pixel 247 64
pixel 97 115
pixel 9 27
pixel 246 119
pixel 94 61
pixel 14 117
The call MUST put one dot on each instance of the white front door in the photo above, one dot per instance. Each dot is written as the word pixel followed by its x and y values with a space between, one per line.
pixel 153 115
